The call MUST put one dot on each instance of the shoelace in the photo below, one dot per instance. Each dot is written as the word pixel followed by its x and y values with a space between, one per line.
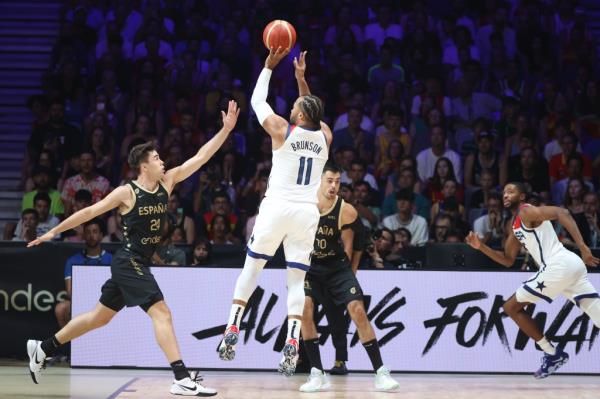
pixel 196 376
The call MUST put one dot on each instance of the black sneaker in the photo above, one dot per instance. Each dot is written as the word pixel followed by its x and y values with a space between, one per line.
pixel 339 368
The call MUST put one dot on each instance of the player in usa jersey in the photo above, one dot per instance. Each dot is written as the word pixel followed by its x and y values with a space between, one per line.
pixel 288 214
pixel 560 270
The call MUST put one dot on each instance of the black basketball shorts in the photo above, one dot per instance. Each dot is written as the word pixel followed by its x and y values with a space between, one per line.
pixel 340 287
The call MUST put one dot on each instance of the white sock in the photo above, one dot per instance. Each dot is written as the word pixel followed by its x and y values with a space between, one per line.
pixel 235 315
pixel 294 326
pixel 546 346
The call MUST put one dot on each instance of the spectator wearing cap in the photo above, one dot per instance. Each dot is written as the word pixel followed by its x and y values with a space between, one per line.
pixel 415 224
pixel 41 180
pixel 87 179
pixel 485 157
pixel 427 159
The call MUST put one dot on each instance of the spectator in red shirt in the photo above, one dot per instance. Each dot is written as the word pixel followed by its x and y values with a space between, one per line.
pixel 557 168
pixel 221 205
pixel 86 179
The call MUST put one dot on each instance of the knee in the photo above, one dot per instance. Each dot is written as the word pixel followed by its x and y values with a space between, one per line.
pixel 512 307
pixel 163 314
pixel 357 312
pixel 308 308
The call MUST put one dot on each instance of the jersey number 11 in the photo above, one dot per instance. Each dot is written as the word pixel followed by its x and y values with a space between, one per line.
pixel 301 175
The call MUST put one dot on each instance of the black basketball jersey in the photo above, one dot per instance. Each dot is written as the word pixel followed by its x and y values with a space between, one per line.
pixel 328 254
pixel 143 224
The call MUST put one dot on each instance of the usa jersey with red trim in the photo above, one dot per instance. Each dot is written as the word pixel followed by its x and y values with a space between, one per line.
pixel 541 242
pixel 298 165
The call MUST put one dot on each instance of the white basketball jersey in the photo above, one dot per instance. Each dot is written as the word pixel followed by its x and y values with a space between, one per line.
pixel 298 165
pixel 541 242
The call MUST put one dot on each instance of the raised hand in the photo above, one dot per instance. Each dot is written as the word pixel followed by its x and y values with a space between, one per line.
pixel 275 55
pixel 46 237
pixel 473 240
pixel 230 118
pixel 300 65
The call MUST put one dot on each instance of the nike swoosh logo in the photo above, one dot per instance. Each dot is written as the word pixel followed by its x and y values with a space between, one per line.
pixel 35 354
pixel 187 388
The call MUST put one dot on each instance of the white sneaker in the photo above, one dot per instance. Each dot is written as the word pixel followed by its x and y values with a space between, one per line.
pixel 317 381
pixel 190 386
pixel 37 359
pixel 287 365
pixel 227 346
pixel 384 381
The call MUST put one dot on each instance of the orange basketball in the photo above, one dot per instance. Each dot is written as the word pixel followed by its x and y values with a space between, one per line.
pixel 279 33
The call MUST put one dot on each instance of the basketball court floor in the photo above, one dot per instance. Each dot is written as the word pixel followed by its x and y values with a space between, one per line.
pixel 63 382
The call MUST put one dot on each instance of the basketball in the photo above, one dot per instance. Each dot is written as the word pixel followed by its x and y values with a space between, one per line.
pixel 279 33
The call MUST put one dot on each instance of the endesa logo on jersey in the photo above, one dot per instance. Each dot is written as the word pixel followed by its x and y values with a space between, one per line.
pixel 423 320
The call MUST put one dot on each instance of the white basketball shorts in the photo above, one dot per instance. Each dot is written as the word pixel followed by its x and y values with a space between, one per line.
pixel 293 223
pixel 564 274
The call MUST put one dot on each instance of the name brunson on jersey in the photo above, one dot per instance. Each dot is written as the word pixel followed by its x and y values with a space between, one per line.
pixel 152 210
pixel 306 145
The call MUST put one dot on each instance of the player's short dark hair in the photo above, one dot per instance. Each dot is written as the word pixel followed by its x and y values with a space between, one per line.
pixel 312 107
pixel 83 195
pixel 520 186
pixel 332 167
pixel 139 154
pixel 42 197
pixel 30 211
pixel 95 221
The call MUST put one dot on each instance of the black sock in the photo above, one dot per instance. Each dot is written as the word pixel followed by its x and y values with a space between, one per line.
pixel 179 370
pixel 50 345
pixel 314 353
pixel 372 348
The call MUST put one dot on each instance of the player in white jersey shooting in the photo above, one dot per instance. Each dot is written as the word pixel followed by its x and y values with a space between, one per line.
pixel 561 271
pixel 289 212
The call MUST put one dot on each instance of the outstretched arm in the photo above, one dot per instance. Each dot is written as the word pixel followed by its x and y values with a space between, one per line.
pixel 506 258
pixel 185 170
pixel 120 195
pixel 274 124
pixel 299 70
pixel 538 214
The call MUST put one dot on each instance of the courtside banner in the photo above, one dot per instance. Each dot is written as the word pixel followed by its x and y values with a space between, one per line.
pixel 424 321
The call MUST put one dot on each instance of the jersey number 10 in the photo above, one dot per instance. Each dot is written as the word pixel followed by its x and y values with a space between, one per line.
pixel 301 176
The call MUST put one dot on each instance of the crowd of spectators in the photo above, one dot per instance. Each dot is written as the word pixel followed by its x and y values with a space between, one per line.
pixel 435 105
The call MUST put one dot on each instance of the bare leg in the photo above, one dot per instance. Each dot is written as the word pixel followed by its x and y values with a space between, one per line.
pixel 309 329
pixel 163 330
pixel 96 318
pixel 63 313
pixel 357 312
pixel 515 310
